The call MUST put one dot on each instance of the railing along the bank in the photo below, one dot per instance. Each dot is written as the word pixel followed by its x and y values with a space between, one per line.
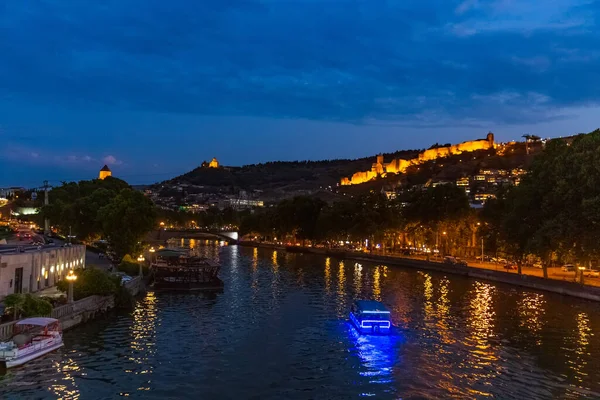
pixel 90 303
pixel 133 286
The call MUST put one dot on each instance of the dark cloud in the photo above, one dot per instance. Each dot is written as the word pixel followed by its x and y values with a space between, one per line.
pixel 423 62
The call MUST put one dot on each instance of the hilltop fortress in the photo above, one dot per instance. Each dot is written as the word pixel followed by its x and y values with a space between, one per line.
pixel 399 165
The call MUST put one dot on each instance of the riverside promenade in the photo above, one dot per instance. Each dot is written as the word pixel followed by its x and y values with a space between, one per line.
pixel 557 281
pixel 73 314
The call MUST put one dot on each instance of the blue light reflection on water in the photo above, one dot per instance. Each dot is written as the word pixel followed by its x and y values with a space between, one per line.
pixel 379 355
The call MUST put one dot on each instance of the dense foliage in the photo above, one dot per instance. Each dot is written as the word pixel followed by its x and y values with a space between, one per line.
pixel 27 305
pixel 91 281
pixel 371 218
pixel 555 212
pixel 131 267
pixel 107 208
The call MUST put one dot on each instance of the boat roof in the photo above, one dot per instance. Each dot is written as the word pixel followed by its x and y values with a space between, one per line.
pixel 372 306
pixel 38 321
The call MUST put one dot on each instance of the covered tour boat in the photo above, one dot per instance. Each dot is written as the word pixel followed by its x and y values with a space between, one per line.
pixel 371 317
pixel 33 337
pixel 176 270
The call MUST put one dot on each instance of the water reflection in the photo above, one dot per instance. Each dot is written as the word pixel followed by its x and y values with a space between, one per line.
pixel 143 337
pixel 443 312
pixel 378 355
pixel 531 312
pixel 584 332
pixel 67 388
pixel 377 283
pixel 327 275
pixel 341 292
pixel 427 294
pixel 274 261
pixel 357 278
pixel 483 357
pixel 279 330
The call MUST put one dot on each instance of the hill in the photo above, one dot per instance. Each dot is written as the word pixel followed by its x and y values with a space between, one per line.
pixel 280 175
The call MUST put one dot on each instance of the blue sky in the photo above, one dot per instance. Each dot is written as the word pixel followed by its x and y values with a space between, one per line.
pixel 155 87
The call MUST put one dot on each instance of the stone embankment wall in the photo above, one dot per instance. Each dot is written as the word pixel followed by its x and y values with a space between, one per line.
pixel 80 311
pixel 532 282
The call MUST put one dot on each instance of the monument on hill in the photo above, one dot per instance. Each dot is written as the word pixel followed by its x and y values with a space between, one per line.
pixel 399 165
pixel 104 172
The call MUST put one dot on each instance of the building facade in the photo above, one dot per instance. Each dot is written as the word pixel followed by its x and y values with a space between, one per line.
pixel 33 271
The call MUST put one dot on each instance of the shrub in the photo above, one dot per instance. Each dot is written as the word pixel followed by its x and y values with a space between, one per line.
pixel 91 281
pixel 26 305
pixel 132 268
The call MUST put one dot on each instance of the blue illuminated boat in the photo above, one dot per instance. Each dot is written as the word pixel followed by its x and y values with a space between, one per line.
pixel 371 317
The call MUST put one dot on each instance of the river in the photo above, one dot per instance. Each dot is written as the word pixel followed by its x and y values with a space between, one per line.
pixel 279 330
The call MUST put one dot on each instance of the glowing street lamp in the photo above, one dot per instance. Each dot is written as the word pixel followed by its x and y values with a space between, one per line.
pixel 141 260
pixel 152 250
pixel 71 278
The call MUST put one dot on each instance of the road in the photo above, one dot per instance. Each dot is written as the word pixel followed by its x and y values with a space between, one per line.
pixel 13 243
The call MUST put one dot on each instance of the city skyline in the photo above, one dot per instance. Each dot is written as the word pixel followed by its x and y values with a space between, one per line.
pixel 154 89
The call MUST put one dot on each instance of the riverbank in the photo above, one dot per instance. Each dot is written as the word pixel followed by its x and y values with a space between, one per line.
pixel 81 311
pixel 528 281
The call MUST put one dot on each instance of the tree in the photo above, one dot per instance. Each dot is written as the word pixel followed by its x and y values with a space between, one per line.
pixel 91 281
pixel 555 211
pixel 74 206
pixel 26 305
pixel 125 220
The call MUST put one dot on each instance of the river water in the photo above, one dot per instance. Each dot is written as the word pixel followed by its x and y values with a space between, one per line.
pixel 279 331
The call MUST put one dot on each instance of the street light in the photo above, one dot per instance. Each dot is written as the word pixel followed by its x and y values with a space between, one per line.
pixel 141 260
pixel 152 250
pixel 71 277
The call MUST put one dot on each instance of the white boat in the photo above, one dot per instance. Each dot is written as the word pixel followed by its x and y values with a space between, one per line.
pixel 33 338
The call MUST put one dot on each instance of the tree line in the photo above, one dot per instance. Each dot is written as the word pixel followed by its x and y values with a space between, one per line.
pixel 102 209
pixel 552 216
pixel 414 220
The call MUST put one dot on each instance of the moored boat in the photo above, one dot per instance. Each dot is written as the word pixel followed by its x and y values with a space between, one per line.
pixel 371 317
pixel 33 337
pixel 174 270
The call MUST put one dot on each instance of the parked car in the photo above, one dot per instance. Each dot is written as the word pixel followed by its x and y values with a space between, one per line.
pixel 592 273
pixel 537 264
pixel 124 277
pixel 568 268
pixel 454 261
pixel 510 266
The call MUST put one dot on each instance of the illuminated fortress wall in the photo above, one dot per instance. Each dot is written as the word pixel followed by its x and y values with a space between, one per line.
pixel 399 165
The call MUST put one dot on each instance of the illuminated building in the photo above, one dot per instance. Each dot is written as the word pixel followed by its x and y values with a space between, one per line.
pixel 104 172
pixel 398 165
pixel 213 163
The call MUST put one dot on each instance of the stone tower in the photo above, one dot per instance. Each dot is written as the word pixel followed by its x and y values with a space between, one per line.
pixel 104 172
pixel 214 163
pixel 490 139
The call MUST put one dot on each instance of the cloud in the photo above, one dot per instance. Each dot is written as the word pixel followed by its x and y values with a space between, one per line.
pixel 111 160
pixel 415 63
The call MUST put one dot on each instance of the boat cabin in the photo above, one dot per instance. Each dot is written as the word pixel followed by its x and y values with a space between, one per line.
pixel 370 317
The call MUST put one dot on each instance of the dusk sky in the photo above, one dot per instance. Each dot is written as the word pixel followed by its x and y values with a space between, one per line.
pixel 153 87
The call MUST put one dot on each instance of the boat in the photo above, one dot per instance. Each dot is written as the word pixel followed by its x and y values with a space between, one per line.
pixel 174 270
pixel 33 338
pixel 371 317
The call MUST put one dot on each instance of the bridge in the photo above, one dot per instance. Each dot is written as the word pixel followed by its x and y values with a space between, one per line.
pixel 165 234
